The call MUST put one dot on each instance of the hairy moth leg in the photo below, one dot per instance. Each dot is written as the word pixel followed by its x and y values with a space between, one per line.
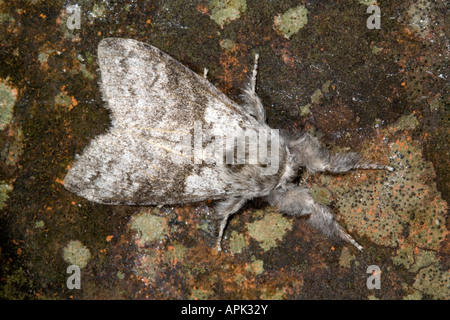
pixel 297 201
pixel 224 210
pixel 252 103
pixel 316 158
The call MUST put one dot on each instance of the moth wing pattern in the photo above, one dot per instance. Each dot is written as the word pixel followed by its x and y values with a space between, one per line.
pixel 154 101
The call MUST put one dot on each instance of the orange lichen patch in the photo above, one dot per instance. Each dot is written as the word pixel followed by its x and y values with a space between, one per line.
pixel 202 8
pixel 43 16
pixel 74 103
pixel 109 238
pixel 59 181
pixel 231 65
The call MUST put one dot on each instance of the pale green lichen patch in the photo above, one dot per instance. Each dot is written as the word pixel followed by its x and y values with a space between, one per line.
pixel 227 44
pixel 237 242
pixel 13 149
pixel 5 189
pixel 98 11
pixel 430 278
pixel 290 22
pixel 420 18
pixel 399 206
pixel 346 258
pixel 225 11
pixel 8 98
pixel 315 98
pixel 436 105
pixel 433 281
pixel 305 110
pixel 321 194
pixel 175 253
pixel 256 266
pixel 200 294
pixel 62 99
pixel 39 224
pixel 367 2
pixel 402 209
pixel 406 122
pixel 269 295
pixel 270 229
pixel 76 253
pixel 147 265
pixel 149 227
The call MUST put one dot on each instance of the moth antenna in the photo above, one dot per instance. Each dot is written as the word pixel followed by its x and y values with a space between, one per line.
pixel 254 73
pixel 252 103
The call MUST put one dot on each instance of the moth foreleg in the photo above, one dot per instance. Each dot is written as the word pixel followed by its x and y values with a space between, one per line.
pixel 252 103
pixel 224 210
pixel 298 201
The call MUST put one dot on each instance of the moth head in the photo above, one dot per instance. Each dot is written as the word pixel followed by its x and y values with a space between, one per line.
pixel 306 151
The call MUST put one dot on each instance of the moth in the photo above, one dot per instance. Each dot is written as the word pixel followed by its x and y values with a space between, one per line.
pixel 168 144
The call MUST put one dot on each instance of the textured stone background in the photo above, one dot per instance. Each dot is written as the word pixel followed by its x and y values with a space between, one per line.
pixel 381 92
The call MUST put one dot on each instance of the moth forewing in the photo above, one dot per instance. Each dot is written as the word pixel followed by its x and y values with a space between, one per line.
pixel 152 154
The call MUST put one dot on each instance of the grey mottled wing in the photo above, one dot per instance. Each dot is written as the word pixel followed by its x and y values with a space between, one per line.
pixel 154 101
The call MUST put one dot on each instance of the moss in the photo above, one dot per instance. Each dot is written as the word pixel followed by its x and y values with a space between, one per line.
pixel 16 286
pixel 225 11
pixel 149 227
pixel 290 22
pixel 76 253
pixel 271 228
